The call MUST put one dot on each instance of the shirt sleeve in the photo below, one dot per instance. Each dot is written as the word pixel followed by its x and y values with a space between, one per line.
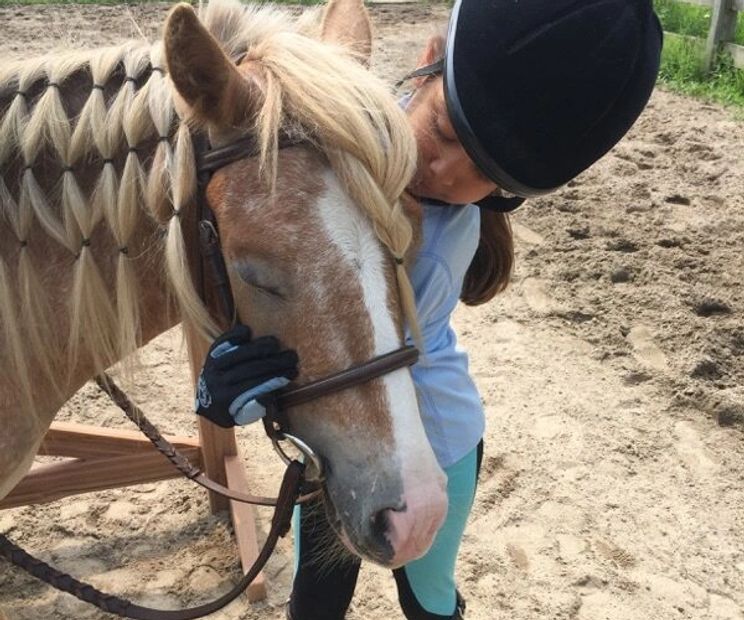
pixel 432 284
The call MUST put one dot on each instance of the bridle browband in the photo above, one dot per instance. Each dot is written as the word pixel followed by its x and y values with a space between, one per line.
pixel 208 161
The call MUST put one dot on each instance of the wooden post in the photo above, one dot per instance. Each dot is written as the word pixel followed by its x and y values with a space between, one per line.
pixel 244 523
pixel 217 443
pixel 722 30
pixel 222 464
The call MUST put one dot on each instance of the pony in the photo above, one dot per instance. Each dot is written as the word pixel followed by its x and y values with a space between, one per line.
pixel 97 195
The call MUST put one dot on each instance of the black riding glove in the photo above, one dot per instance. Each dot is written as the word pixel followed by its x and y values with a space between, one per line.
pixel 237 372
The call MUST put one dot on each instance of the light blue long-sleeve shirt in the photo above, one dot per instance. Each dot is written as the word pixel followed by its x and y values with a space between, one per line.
pixel 450 405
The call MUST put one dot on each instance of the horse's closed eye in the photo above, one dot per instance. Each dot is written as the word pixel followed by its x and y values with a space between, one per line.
pixel 267 290
pixel 255 278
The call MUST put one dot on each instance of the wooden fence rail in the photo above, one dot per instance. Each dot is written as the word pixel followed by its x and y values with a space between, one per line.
pixel 722 30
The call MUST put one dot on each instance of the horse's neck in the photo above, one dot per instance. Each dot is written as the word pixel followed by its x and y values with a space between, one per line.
pixel 55 265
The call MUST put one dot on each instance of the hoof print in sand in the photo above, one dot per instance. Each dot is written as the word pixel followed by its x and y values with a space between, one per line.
pixel 518 556
pixel 645 349
pixel 536 296
pixel 527 235
pixel 711 307
pixel 619 556
pixel 621 276
pixel 678 199
pixel 692 450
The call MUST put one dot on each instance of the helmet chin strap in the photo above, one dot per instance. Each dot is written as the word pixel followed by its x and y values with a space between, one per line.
pixel 502 204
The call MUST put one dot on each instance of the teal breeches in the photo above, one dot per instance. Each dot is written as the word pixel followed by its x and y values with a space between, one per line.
pixel 426 587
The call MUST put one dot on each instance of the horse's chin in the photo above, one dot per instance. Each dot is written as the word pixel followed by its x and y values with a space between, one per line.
pixel 352 548
pixel 337 526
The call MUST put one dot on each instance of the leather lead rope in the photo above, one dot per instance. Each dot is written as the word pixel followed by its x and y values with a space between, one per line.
pixel 179 461
pixel 280 523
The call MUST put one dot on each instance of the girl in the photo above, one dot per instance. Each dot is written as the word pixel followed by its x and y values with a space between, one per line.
pixel 515 101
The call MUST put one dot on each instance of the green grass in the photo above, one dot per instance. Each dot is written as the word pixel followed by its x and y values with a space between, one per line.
pixel 689 19
pixel 681 65
pixel 681 70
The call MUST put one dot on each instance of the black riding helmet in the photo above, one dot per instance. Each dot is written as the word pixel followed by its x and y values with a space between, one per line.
pixel 538 90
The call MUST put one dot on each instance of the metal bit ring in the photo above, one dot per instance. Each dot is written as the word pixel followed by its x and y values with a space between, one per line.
pixel 310 456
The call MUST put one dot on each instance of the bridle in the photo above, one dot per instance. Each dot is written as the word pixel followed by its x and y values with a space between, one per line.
pixel 211 268
pixel 208 161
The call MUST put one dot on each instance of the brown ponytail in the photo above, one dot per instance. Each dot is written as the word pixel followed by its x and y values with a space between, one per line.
pixel 490 270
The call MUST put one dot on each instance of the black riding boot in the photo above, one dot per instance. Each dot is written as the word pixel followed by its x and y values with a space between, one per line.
pixel 460 611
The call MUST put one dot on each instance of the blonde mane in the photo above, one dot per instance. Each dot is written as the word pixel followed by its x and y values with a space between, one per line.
pixel 146 157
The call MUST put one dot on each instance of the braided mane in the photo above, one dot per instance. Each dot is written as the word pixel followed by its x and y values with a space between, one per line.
pixel 91 145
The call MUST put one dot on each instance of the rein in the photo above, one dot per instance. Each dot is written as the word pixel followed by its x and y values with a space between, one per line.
pixel 275 421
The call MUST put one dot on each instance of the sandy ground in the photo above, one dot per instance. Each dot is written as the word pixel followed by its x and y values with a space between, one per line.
pixel 612 373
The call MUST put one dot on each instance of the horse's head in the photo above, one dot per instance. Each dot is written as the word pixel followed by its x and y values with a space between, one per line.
pixel 314 235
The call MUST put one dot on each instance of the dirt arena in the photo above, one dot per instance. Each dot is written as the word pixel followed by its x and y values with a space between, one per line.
pixel 612 372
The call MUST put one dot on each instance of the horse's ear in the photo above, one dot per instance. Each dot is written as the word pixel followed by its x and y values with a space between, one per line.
pixel 347 22
pixel 204 76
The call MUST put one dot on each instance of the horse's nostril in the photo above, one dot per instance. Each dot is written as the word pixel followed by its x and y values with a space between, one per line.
pixel 380 523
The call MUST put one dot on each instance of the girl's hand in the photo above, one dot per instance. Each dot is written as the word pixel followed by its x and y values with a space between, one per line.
pixel 237 372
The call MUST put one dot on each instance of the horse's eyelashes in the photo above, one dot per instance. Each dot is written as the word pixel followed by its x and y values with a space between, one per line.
pixel 254 277
pixel 269 291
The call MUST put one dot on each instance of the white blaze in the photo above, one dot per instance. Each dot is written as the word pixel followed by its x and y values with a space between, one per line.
pixel 353 234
